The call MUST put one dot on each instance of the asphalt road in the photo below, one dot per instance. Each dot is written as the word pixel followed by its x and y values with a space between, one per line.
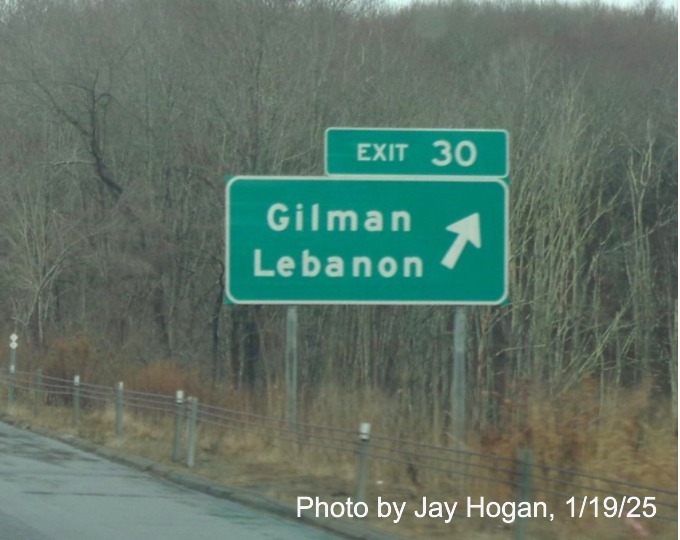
pixel 52 491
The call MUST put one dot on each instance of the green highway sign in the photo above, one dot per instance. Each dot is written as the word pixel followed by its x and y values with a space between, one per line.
pixel 300 240
pixel 423 152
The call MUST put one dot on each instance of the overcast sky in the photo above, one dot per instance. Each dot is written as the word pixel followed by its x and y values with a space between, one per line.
pixel 622 3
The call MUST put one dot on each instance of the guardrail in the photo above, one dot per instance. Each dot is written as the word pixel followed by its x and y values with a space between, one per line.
pixel 578 493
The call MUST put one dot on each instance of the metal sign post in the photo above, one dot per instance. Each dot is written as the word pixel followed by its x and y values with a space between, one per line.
pixel 404 216
pixel 291 365
pixel 12 367
pixel 13 350
pixel 458 376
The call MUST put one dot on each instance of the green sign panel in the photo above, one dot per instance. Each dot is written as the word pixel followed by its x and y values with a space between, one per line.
pixel 299 240
pixel 424 152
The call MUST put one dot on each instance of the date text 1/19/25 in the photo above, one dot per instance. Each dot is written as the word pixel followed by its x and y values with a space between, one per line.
pixel 612 507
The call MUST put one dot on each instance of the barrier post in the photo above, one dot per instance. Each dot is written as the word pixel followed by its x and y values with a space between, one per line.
pixel 362 465
pixel 76 400
pixel 37 391
pixel 179 413
pixel 120 395
pixel 192 402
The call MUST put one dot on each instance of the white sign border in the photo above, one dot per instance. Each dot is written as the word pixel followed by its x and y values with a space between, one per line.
pixel 230 180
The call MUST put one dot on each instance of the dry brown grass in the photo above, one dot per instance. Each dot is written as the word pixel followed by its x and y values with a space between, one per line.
pixel 624 435
pixel 164 378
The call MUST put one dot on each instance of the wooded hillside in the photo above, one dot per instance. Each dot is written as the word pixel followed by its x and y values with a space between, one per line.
pixel 119 120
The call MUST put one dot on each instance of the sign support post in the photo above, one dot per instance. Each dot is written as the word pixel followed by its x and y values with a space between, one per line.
pixel 403 216
pixel 458 376
pixel 12 366
pixel 291 365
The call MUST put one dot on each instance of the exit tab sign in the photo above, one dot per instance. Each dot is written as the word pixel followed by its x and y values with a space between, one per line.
pixel 377 240
pixel 422 152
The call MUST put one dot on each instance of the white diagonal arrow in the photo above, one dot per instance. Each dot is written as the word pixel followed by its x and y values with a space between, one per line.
pixel 467 230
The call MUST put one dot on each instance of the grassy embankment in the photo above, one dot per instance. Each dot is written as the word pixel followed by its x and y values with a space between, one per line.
pixel 626 434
